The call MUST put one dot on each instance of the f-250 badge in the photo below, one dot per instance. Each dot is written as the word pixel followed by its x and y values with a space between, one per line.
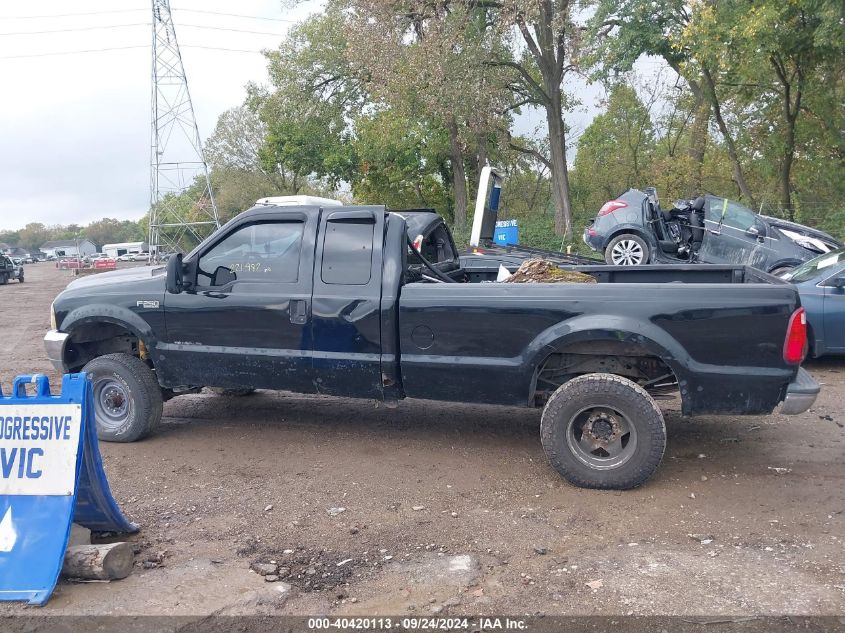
pixel 149 305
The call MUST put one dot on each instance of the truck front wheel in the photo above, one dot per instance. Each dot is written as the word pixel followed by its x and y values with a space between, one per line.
pixel 603 431
pixel 127 397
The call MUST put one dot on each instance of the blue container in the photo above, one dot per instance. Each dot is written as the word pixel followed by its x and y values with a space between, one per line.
pixel 507 232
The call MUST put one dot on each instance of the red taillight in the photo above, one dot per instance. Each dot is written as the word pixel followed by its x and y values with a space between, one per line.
pixel 611 206
pixel 795 345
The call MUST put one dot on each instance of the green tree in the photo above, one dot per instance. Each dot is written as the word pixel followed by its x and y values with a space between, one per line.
pixel 426 60
pixel 33 235
pixel 402 162
pixel 307 112
pixel 624 30
pixel 614 152
pixel 775 53
pixel 550 39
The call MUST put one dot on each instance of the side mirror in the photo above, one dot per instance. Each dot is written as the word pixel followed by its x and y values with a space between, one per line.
pixel 223 276
pixel 838 282
pixel 175 272
pixel 753 231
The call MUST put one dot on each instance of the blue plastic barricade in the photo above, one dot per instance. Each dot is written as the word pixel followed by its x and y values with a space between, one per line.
pixel 52 475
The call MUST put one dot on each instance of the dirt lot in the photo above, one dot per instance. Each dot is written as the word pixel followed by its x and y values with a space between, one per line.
pixel 453 509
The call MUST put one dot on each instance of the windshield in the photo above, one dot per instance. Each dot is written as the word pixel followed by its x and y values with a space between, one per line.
pixel 815 267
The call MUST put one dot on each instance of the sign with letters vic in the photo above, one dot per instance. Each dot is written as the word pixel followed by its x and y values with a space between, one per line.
pixel 38 449
pixel 50 475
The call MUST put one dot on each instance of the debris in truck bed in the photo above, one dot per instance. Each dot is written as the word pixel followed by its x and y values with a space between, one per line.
pixel 540 271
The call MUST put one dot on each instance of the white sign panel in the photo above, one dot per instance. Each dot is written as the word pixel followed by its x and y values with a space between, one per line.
pixel 38 446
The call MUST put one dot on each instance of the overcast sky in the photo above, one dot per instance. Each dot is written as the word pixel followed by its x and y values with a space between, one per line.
pixel 75 128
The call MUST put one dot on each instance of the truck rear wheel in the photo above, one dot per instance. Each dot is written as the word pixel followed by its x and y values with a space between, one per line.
pixel 603 431
pixel 127 397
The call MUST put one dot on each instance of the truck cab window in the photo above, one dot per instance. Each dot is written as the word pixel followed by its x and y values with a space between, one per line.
pixel 348 252
pixel 265 252
pixel 436 247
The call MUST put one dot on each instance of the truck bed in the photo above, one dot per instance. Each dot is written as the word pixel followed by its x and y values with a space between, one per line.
pixel 719 329
pixel 486 269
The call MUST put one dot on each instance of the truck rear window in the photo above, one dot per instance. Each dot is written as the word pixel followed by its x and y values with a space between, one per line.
pixel 348 252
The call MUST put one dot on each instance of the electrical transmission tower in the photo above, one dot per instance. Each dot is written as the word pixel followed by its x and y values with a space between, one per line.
pixel 182 208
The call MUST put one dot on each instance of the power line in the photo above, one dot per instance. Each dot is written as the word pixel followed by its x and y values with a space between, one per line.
pixel 219 48
pixel 236 15
pixel 86 13
pixel 114 26
pixel 224 28
pixel 123 48
pixel 76 28
pixel 66 15
pixel 90 50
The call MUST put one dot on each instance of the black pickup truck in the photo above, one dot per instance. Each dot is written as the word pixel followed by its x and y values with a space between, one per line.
pixel 337 300
pixel 10 270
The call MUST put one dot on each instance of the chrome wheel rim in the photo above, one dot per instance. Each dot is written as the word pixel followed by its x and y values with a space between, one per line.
pixel 111 403
pixel 627 253
pixel 601 437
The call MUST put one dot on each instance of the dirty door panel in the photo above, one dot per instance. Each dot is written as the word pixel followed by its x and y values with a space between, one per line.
pixel 245 321
pixel 727 239
pixel 345 328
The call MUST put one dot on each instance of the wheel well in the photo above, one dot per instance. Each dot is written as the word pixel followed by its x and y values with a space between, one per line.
pixel 90 340
pixel 603 357
pixel 628 230
pixel 790 263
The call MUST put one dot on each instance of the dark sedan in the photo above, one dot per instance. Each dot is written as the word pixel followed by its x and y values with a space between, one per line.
pixel 821 284
pixel 633 230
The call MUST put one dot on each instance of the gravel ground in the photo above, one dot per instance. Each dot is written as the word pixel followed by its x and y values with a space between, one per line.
pixel 453 509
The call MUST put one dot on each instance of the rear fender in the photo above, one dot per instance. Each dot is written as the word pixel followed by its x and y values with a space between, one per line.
pixel 636 230
pixel 628 336
pixel 792 263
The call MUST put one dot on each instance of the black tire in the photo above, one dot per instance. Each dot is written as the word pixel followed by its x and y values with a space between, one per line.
pixel 617 405
pixel 3 280
pixel 627 249
pixel 20 279
pixel 127 397
pixel 222 391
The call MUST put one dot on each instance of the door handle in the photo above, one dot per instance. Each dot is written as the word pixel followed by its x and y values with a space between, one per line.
pixel 298 311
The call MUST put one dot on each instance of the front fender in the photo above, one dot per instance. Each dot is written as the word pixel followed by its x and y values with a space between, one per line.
pixel 116 315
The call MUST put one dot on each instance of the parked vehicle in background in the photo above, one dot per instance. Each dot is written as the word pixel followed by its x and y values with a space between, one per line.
pixel 633 230
pixel 66 263
pixel 9 270
pixel 821 284
pixel 104 262
pixel 126 257
pixel 340 301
